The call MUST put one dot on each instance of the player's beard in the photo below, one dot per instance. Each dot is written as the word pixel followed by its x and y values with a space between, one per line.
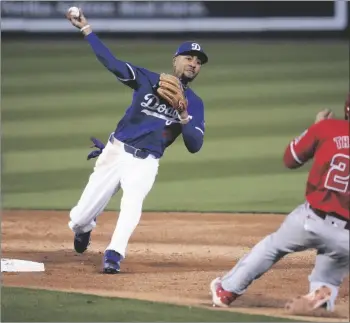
pixel 188 77
pixel 184 76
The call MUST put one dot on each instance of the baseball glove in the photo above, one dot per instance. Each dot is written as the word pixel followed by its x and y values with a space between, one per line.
pixel 171 90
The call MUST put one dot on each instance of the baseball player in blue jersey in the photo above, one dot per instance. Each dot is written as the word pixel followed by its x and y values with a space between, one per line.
pixel 163 107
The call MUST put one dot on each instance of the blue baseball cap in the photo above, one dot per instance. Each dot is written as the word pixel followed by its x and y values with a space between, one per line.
pixel 190 47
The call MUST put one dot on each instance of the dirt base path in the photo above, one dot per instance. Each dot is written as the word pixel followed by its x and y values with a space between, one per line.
pixel 172 258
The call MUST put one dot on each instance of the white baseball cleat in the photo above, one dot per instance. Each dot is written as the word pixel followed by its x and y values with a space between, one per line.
pixel 311 301
pixel 221 297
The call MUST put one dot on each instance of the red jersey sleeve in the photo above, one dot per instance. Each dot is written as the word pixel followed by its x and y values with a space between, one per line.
pixel 301 148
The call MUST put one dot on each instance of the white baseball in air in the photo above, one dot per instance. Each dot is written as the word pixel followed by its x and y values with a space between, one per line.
pixel 74 12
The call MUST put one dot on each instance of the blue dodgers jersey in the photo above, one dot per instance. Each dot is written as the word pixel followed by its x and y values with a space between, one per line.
pixel 150 122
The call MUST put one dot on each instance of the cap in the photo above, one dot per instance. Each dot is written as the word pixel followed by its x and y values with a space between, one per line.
pixel 190 47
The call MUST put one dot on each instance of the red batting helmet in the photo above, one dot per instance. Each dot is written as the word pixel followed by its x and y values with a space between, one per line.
pixel 347 108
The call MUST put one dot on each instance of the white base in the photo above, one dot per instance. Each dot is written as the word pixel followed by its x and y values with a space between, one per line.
pixel 16 265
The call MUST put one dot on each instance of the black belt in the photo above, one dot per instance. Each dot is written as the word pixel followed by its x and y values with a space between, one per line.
pixel 136 152
pixel 323 214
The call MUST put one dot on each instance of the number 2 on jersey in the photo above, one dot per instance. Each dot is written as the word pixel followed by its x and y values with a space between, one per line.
pixel 338 175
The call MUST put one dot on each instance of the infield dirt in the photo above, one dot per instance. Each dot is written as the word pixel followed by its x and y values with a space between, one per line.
pixel 172 257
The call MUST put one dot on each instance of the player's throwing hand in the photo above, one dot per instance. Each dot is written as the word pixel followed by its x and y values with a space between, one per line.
pixel 79 21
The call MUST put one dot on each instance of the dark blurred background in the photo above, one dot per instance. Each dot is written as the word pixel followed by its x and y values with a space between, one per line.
pixel 182 18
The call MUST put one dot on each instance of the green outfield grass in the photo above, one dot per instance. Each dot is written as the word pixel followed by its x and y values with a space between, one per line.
pixel 257 95
pixel 26 305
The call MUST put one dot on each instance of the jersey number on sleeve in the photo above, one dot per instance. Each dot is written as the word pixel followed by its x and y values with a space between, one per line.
pixel 338 175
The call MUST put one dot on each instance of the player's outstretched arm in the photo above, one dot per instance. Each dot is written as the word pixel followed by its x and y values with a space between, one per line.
pixel 121 69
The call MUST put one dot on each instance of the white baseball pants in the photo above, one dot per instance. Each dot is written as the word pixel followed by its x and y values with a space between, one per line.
pixel 115 169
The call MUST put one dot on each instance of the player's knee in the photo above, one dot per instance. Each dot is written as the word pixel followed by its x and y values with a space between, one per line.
pixel 134 201
pixel 271 247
